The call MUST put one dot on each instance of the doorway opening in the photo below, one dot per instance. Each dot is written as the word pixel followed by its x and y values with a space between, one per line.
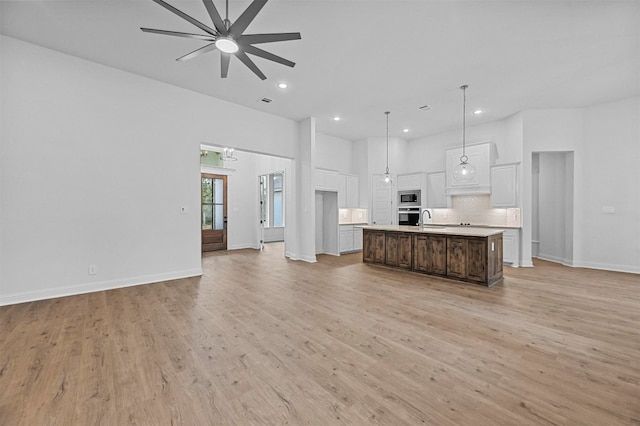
pixel 213 199
pixel 552 206
pixel 272 207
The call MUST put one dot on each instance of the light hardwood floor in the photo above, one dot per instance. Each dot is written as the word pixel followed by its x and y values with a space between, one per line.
pixel 263 340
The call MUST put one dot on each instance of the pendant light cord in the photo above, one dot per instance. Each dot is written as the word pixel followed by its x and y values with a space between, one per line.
pixel 387 114
pixel 464 157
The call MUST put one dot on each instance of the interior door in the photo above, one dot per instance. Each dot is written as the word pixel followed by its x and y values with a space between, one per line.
pixel 214 212
pixel 382 202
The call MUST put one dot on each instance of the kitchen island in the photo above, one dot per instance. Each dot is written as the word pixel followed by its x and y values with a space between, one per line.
pixel 461 253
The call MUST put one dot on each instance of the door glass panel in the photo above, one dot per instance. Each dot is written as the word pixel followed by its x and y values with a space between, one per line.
pixel 277 208
pixel 207 216
pixel 218 216
pixel 207 190
pixel 218 191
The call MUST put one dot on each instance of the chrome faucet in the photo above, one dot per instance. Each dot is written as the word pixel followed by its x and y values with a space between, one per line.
pixel 427 211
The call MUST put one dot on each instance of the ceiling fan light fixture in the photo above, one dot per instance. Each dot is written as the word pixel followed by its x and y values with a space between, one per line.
pixel 227 45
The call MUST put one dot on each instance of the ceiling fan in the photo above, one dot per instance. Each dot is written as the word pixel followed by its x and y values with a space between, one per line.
pixel 229 38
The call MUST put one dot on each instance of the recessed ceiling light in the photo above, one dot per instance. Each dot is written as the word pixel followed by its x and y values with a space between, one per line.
pixel 336 118
pixel 283 85
pixel 405 130
pixel 477 112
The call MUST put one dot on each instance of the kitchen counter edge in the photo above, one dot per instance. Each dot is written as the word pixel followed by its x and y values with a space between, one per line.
pixel 468 231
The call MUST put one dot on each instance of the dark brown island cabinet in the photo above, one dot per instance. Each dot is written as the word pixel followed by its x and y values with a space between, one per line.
pixel 465 254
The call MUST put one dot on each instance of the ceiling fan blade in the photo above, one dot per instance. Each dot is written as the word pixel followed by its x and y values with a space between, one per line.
pixel 186 17
pixel 250 64
pixel 224 64
pixel 215 16
pixel 268 38
pixel 268 55
pixel 179 34
pixel 247 16
pixel 198 52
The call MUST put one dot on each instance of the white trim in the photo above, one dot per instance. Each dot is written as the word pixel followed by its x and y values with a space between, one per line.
pixel 565 262
pixel 216 170
pixel 50 293
pixel 244 246
pixel 630 269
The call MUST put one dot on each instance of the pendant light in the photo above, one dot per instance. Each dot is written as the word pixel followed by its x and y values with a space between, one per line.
pixel 387 176
pixel 464 172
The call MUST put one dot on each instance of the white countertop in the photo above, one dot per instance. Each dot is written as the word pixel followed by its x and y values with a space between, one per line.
pixel 467 231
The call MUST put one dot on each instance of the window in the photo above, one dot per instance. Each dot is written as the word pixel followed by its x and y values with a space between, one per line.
pixel 272 200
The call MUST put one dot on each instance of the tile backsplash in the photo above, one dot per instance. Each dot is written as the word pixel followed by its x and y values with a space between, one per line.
pixel 352 216
pixel 476 210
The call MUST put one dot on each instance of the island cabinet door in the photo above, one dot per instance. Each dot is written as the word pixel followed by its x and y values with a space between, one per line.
pixel 437 252
pixel 373 249
pixel 405 259
pixel 420 253
pixel 430 254
pixel 457 257
pixel 477 260
pixel 391 247
pixel 398 249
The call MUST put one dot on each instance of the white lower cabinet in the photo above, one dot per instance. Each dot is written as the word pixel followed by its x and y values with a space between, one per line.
pixel 357 239
pixel 511 247
pixel 350 238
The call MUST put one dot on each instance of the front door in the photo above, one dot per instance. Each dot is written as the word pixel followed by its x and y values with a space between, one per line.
pixel 214 212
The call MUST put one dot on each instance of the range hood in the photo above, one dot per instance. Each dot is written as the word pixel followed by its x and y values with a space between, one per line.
pixel 480 155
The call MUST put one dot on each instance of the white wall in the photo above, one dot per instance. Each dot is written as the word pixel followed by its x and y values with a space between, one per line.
pixel 360 160
pixel 334 154
pixel 96 164
pixel 610 177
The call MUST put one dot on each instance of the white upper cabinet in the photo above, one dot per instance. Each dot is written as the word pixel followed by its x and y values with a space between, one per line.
pixel 410 181
pixel 480 156
pixel 436 191
pixel 504 186
pixel 326 180
pixel 348 191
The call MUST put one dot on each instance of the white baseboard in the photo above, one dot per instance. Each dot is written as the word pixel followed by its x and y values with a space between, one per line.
pixel 593 265
pixel 555 259
pixel 50 293
pixel 244 246
pixel 608 267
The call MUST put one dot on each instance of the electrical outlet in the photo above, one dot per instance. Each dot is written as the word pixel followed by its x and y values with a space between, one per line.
pixel 608 210
pixel 93 269
pixel 493 246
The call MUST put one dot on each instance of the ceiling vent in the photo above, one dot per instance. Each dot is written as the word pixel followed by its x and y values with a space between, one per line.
pixel 266 100
pixel 425 108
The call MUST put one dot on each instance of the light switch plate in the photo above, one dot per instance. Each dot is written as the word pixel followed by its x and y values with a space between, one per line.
pixel 184 210
pixel 608 210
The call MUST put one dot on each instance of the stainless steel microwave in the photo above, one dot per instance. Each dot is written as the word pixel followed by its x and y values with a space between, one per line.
pixel 409 198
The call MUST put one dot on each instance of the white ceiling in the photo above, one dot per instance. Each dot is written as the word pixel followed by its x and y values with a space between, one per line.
pixel 358 59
